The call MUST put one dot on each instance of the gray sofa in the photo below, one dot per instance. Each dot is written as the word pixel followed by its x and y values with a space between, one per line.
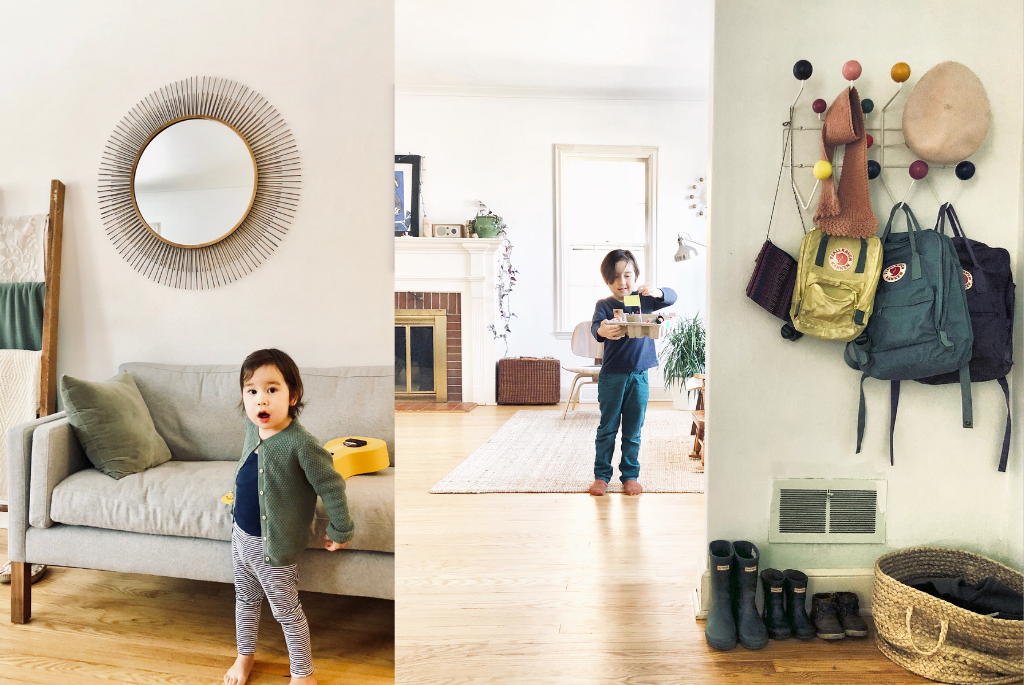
pixel 169 520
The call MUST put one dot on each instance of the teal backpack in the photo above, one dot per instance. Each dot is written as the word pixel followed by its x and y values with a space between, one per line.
pixel 920 326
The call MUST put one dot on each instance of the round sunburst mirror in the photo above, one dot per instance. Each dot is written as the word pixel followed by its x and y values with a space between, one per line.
pixel 198 183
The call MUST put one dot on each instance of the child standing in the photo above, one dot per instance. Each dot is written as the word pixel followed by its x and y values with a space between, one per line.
pixel 622 386
pixel 282 470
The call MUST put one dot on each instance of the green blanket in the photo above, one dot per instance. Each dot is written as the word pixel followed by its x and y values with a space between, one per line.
pixel 21 316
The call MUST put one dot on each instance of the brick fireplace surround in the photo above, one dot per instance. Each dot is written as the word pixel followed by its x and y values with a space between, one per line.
pixel 452 304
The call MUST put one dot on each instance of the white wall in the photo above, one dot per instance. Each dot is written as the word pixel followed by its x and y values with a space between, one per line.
pixel 69 72
pixel 501 150
pixel 781 408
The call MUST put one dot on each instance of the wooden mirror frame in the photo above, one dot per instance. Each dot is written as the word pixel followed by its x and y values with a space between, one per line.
pixel 275 197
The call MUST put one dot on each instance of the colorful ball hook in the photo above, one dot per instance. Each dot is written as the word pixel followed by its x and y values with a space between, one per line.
pixel 822 170
pixel 900 72
pixel 819 106
pixel 964 170
pixel 871 140
pixel 918 170
pixel 874 169
pixel 866 105
pixel 802 70
pixel 851 70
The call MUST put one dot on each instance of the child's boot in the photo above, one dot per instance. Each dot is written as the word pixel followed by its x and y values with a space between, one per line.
pixel 849 614
pixel 720 629
pixel 774 615
pixel 749 626
pixel 825 614
pixel 796 604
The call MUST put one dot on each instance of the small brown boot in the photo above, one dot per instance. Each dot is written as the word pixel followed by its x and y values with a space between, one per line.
pixel 849 614
pixel 824 615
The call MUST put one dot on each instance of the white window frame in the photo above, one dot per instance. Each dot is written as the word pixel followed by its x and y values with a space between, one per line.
pixel 564 153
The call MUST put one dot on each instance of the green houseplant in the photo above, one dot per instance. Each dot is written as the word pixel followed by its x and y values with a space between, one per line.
pixel 682 353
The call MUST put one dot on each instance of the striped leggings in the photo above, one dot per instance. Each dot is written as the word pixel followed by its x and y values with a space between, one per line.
pixel 253 578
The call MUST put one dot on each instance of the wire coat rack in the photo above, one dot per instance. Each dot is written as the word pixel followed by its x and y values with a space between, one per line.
pixel 823 171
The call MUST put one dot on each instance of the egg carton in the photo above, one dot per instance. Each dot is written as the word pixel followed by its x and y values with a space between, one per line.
pixel 640 325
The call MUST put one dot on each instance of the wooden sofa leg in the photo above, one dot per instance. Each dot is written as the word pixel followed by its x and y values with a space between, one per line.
pixel 21 592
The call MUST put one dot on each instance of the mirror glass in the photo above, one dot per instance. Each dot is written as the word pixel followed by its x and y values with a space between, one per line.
pixel 194 182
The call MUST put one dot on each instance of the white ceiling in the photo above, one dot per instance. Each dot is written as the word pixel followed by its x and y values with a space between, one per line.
pixel 590 48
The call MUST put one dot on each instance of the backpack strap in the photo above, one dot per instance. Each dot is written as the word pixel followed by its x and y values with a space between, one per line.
pixel 915 258
pixel 980 281
pixel 862 259
pixel 861 414
pixel 1004 456
pixel 819 259
pixel 894 401
pixel 965 396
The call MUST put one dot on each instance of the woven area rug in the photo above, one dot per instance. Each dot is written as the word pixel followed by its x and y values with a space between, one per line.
pixel 536 451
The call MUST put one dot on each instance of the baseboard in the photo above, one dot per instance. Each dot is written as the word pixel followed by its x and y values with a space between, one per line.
pixel 859 580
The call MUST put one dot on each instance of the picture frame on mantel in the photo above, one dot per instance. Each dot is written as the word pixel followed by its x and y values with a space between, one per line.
pixel 407 195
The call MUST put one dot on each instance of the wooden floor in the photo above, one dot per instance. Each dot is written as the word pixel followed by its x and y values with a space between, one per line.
pixel 560 588
pixel 415 405
pixel 98 627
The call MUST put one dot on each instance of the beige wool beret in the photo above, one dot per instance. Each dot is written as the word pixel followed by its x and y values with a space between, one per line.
pixel 947 115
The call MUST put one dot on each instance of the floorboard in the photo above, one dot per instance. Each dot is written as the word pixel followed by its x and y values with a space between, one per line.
pixel 99 627
pixel 564 588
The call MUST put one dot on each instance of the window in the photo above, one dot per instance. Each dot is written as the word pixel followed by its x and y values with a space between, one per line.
pixel 604 200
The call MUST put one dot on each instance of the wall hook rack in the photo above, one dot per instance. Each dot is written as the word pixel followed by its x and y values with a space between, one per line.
pixel 918 169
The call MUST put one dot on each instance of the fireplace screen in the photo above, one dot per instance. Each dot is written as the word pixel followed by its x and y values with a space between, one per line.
pixel 421 354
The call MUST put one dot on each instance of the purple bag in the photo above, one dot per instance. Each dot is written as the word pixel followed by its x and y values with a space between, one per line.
pixel 771 284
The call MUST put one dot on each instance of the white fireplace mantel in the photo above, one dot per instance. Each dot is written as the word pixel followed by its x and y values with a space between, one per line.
pixel 458 265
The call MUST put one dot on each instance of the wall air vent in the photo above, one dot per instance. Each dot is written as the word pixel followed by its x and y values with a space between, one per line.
pixel 827 510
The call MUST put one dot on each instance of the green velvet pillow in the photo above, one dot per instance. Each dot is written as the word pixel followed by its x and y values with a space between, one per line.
pixel 113 424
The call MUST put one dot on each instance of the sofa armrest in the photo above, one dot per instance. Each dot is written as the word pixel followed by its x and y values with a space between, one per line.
pixel 19 455
pixel 56 454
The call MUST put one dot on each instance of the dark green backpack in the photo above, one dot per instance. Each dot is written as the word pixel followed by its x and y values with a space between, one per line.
pixel 920 326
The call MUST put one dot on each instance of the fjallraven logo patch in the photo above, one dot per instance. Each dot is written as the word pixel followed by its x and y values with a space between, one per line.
pixel 840 259
pixel 751 569
pixel 968 280
pixel 776 589
pixel 800 590
pixel 723 568
pixel 893 273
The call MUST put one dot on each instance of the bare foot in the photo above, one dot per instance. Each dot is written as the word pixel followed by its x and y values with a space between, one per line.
pixel 631 487
pixel 305 680
pixel 599 488
pixel 239 671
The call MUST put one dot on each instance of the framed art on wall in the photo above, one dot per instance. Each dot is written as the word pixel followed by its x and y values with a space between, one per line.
pixel 407 195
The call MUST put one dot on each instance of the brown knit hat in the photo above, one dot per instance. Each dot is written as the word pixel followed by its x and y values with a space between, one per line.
pixel 847 213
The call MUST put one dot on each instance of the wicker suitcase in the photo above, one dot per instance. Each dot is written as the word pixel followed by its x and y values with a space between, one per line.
pixel 528 380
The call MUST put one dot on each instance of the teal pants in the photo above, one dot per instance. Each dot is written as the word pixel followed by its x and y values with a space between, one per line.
pixel 623 400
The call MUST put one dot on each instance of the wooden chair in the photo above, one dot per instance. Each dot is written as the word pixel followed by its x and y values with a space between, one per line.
pixel 583 345
pixel 698 383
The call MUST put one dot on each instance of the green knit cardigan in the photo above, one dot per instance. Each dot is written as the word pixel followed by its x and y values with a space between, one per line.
pixel 293 470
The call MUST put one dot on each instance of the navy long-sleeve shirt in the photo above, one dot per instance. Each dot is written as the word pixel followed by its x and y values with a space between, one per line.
pixel 627 355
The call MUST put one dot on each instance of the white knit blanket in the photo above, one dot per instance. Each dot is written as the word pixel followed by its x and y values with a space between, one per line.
pixel 22 244
pixel 19 398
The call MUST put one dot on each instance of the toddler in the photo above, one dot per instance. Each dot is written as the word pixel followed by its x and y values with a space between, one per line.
pixel 622 386
pixel 282 470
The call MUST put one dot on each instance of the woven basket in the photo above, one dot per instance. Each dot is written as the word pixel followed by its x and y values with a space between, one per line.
pixel 938 640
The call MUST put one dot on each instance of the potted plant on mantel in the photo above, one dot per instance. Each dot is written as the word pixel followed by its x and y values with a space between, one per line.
pixel 682 356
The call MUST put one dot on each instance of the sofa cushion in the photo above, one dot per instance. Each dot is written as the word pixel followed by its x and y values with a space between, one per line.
pixel 183 498
pixel 196 408
pixel 113 425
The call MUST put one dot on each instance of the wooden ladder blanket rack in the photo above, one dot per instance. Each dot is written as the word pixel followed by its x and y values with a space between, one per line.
pixel 21 584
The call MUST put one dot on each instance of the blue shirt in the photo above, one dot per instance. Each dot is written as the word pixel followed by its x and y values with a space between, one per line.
pixel 627 355
pixel 247 496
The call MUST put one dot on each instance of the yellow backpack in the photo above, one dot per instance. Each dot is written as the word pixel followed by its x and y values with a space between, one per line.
pixel 835 286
